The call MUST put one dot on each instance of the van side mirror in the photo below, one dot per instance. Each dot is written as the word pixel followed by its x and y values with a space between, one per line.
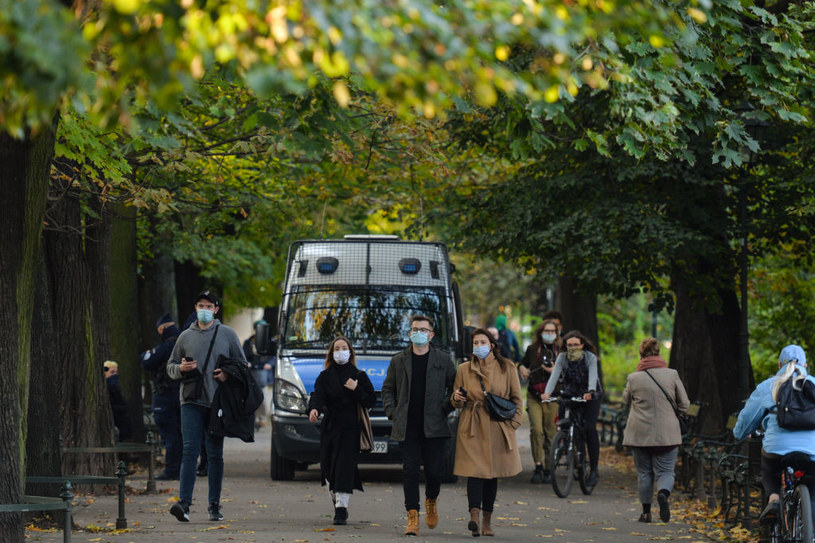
pixel 264 342
pixel 467 342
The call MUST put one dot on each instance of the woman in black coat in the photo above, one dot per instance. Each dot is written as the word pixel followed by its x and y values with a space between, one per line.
pixel 339 389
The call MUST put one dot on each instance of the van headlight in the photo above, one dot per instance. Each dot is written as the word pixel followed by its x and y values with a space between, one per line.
pixel 288 397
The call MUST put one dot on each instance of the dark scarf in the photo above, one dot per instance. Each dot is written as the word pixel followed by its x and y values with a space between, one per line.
pixel 648 362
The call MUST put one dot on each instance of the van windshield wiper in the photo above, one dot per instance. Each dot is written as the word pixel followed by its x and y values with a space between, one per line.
pixel 314 343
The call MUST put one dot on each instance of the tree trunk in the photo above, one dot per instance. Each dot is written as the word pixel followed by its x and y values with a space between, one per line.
pixel 157 293
pixel 23 184
pixel 119 262
pixel 87 418
pixel 43 452
pixel 579 312
pixel 705 352
pixel 188 283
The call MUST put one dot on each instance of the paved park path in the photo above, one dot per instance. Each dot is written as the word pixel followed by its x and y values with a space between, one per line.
pixel 257 509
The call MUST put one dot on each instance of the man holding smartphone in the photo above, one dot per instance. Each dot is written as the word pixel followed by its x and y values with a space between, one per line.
pixel 193 362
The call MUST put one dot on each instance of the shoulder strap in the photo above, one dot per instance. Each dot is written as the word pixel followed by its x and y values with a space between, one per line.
pixel 209 352
pixel 482 384
pixel 670 401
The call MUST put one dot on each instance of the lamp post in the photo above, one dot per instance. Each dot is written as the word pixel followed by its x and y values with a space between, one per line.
pixel 755 129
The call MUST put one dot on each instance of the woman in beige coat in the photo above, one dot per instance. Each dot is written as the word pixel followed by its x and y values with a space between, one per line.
pixel 654 393
pixel 485 449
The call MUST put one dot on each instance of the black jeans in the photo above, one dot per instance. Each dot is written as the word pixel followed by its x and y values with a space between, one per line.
pixel 418 450
pixel 591 411
pixel 481 493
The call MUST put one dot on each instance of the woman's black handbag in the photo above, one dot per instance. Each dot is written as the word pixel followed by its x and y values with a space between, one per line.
pixel 500 409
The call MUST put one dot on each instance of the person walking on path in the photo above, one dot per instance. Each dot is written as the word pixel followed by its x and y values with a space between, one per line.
pixel 485 448
pixel 339 391
pixel 654 394
pixel 581 377
pixel 536 366
pixel 507 340
pixel 166 405
pixel 194 356
pixel 416 397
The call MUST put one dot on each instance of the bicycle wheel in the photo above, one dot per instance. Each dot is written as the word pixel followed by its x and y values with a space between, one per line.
pixel 801 522
pixel 561 461
pixel 583 467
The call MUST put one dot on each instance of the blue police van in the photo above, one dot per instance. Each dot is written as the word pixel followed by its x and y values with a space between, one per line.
pixel 365 288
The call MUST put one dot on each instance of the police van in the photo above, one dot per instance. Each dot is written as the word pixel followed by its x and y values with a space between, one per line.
pixel 365 288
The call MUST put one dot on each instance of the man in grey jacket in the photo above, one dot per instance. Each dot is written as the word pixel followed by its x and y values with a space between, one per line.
pixel 416 397
pixel 193 361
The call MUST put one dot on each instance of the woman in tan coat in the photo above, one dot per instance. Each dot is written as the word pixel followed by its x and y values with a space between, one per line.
pixel 654 393
pixel 485 448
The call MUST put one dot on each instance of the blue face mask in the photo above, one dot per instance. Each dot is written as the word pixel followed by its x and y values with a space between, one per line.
pixel 205 315
pixel 482 351
pixel 419 338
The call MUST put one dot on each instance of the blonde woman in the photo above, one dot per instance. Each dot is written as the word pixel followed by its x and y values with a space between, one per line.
pixel 758 412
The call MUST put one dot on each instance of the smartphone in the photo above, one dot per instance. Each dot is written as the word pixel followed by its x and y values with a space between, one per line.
pixel 462 391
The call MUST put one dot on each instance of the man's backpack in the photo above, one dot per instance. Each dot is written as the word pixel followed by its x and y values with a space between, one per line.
pixel 795 403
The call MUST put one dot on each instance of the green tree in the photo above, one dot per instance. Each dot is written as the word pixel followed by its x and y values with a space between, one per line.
pixel 638 188
pixel 111 56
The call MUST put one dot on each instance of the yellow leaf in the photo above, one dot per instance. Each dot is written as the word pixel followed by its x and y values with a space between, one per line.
pixel 341 94
pixel 127 7
pixel 697 15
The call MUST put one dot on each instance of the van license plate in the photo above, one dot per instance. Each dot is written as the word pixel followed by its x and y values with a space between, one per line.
pixel 380 447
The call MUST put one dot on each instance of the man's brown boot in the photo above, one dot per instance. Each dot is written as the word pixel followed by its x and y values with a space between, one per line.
pixel 432 518
pixel 486 529
pixel 413 523
pixel 473 524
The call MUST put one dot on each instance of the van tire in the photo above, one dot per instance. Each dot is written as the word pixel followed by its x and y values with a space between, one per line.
pixel 282 468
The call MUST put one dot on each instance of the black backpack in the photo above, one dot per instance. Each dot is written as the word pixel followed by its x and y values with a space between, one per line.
pixel 795 403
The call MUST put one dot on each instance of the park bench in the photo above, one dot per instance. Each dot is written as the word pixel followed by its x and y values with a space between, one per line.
pixel 119 479
pixel 608 420
pixel 31 504
pixel 708 458
pixel 740 476
pixel 148 447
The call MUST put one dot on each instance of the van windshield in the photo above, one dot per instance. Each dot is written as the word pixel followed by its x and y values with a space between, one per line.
pixel 374 319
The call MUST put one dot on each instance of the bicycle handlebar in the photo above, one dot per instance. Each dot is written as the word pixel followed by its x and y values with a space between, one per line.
pixel 580 399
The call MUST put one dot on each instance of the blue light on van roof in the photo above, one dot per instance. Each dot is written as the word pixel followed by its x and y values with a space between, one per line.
pixel 327 264
pixel 410 266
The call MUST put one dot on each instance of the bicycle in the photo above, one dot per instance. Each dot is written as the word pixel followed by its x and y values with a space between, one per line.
pixel 568 458
pixel 793 523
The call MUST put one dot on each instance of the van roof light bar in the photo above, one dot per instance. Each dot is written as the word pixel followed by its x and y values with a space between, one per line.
pixel 370 236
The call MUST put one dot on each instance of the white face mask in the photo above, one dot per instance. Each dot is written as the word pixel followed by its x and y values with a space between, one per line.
pixel 342 357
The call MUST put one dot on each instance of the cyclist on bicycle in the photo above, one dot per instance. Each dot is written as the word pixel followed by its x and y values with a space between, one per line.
pixel 578 367
pixel 758 411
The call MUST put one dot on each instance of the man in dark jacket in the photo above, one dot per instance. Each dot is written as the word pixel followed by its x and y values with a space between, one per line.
pixel 193 362
pixel 121 420
pixel 416 397
pixel 166 406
